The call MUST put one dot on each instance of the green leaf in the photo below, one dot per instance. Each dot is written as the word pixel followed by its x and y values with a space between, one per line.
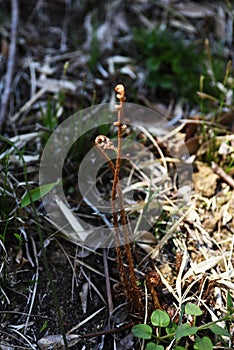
pixel 44 326
pixel 18 237
pixel 216 329
pixel 203 344
pixel 153 346
pixel 179 348
pixel 160 318
pixel 230 303
pixel 192 309
pixel 142 331
pixel 37 193
pixel 171 328
pixel 184 330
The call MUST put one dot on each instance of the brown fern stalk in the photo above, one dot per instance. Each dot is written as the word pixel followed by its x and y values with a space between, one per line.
pixel 103 143
pixel 132 289
pixel 128 279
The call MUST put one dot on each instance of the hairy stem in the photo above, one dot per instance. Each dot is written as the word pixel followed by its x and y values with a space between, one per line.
pixel 132 289
pixel 128 278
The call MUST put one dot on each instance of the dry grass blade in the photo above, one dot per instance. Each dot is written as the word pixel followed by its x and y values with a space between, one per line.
pixel 169 234
pixel 203 266
pixel 26 340
pixel 28 104
pixel 79 231
pixel 167 285
pixel 154 142
pixel 89 282
pixel 85 320
pixel 35 280
pixel 94 270
pixel 94 287
pixel 19 142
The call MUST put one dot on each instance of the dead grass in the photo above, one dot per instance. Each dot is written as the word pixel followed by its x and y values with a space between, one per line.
pixel 69 57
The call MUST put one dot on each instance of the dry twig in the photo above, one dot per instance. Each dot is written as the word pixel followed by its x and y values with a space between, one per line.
pixel 219 171
pixel 11 60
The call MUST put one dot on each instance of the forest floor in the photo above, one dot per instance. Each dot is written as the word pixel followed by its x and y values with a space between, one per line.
pixel 175 61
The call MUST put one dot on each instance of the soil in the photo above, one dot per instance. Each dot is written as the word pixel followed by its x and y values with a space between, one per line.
pixel 62 280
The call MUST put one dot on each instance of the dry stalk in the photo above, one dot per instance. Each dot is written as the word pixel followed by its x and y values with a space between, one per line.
pixel 128 279
pixel 11 61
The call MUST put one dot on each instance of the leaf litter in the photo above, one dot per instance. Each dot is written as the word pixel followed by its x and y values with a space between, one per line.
pixel 202 234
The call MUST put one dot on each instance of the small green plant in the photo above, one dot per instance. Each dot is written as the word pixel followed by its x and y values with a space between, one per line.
pixel 172 66
pixel 49 116
pixel 94 52
pixel 166 330
pixel 54 107
pixel 37 193
pixel 44 326
pixel 19 238
pixel 216 84
pixel 215 93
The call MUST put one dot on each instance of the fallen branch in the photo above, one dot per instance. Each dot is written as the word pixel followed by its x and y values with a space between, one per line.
pixel 11 61
pixel 219 171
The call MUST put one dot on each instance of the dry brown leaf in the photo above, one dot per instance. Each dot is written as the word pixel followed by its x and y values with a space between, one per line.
pixel 192 144
pixel 84 296
pixel 225 215
pixel 145 237
pixel 194 10
pixel 78 231
pixel 6 346
pixel 187 27
pixel 203 266
pixel 128 70
pixel 225 149
pixel 55 342
pixel 146 240
pixel 111 61
pixel 55 85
